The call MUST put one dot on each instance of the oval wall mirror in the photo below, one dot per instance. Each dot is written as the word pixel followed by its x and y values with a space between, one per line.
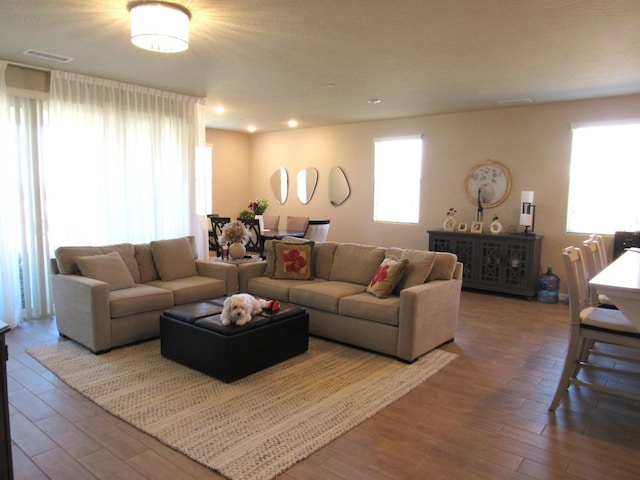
pixel 307 181
pixel 280 185
pixel 339 189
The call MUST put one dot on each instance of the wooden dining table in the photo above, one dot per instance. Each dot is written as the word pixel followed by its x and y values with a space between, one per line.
pixel 620 281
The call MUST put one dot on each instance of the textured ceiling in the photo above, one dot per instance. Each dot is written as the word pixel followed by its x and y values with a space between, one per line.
pixel 321 61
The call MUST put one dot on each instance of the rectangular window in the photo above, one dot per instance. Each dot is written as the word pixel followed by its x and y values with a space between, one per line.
pixel 605 168
pixel 397 178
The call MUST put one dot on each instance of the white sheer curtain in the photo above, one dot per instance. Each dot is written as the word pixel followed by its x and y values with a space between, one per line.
pixel 120 163
pixel 24 282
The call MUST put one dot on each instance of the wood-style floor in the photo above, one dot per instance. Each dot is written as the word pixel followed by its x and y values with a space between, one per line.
pixel 483 416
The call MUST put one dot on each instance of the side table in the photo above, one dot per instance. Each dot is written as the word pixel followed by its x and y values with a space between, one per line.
pixel 6 465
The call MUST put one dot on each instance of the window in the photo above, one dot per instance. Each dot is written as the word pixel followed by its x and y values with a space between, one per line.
pixel 605 168
pixel 397 174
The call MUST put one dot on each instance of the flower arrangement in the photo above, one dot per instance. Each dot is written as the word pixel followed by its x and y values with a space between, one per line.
pixel 258 206
pixel 235 231
pixel 452 212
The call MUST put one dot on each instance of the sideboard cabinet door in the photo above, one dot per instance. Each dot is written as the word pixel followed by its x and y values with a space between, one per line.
pixel 500 263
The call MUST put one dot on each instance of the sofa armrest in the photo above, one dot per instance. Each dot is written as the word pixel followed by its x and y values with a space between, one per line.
pixel 428 317
pixel 247 271
pixel 82 310
pixel 227 272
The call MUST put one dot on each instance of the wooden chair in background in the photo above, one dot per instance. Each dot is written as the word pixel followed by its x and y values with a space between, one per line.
pixel 297 224
pixel 216 223
pixel 317 230
pixel 271 222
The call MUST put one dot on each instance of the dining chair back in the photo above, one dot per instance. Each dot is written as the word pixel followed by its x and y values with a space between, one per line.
pixel 317 230
pixel 587 326
pixel 255 240
pixel 602 249
pixel 271 222
pixel 216 223
pixel 593 265
pixel 297 224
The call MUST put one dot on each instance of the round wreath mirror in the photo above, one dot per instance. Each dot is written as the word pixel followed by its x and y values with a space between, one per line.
pixel 489 183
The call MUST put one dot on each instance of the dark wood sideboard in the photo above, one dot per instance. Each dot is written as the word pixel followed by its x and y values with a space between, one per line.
pixel 6 468
pixel 507 263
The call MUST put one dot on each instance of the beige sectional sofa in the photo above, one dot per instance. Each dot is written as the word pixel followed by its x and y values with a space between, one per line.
pixel 105 299
pixel 418 315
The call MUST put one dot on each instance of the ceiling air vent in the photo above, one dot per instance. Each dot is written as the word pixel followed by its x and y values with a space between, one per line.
pixel 47 56
pixel 516 101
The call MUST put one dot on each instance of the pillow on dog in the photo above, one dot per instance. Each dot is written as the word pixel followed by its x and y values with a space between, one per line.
pixel 387 276
pixel 292 260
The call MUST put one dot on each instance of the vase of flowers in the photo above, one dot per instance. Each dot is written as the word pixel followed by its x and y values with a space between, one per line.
pixel 237 235
pixel 258 206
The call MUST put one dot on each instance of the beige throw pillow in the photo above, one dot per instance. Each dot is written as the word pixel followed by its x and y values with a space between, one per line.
pixel 107 267
pixel 387 277
pixel 174 258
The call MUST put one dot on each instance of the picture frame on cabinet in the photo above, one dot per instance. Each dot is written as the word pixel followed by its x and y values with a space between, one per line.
pixel 476 227
pixel 463 227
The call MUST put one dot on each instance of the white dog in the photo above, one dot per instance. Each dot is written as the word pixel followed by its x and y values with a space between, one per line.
pixel 239 308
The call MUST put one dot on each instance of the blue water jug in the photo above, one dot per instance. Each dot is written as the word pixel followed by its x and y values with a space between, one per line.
pixel 548 287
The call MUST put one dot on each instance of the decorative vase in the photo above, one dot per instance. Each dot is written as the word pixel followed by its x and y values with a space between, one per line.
pixel 237 250
pixel 495 227
pixel 260 219
pixel 449 224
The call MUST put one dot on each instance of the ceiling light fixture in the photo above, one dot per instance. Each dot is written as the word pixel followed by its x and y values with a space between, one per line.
pixel 159 26
pixel 292 123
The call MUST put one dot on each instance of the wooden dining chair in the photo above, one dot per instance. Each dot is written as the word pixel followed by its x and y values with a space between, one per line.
pixel 588 325
pixel 216 223
pixel 317 230
pixel 297 224
pixel 593 266
pixel 255 240
pixel 271 222
pixel 602 249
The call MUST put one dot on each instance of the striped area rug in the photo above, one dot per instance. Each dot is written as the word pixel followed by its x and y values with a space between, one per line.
pixel 254 428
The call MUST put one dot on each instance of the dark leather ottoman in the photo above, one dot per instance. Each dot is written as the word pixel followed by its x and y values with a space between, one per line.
pixel 193 336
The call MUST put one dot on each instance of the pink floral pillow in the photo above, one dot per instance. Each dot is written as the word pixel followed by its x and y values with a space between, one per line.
pixel 387 276
pixel 292 260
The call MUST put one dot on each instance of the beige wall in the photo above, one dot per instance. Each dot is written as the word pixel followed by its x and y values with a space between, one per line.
pixel 533 142
pixel 232 182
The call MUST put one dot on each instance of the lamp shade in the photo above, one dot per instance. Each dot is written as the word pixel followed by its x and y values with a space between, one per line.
pixel 159 26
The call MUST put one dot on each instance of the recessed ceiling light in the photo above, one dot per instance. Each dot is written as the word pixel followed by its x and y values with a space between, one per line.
pixel 251 128
pixel 374 101
pixel 292 123
pixel 218 109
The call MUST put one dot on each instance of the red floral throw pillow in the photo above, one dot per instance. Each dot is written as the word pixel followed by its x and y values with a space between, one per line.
pixel 387 276
pixel 292 260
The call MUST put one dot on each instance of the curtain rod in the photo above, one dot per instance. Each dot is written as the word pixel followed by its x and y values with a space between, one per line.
pixel 31 67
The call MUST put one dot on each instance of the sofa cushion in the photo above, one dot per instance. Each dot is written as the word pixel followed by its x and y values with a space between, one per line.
pixel 139 299
pixel 323 295
pixel 269 254
pixel 106 267
pixel 355 263
pixel 444 266
pixel 67 266
pixel 275 289
pixel 292 260
pixel 323 253
pixel 174 258
pixel 418 269
pixel 146 265
pixel 363 305
pixel 387 276
pixel 192 289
